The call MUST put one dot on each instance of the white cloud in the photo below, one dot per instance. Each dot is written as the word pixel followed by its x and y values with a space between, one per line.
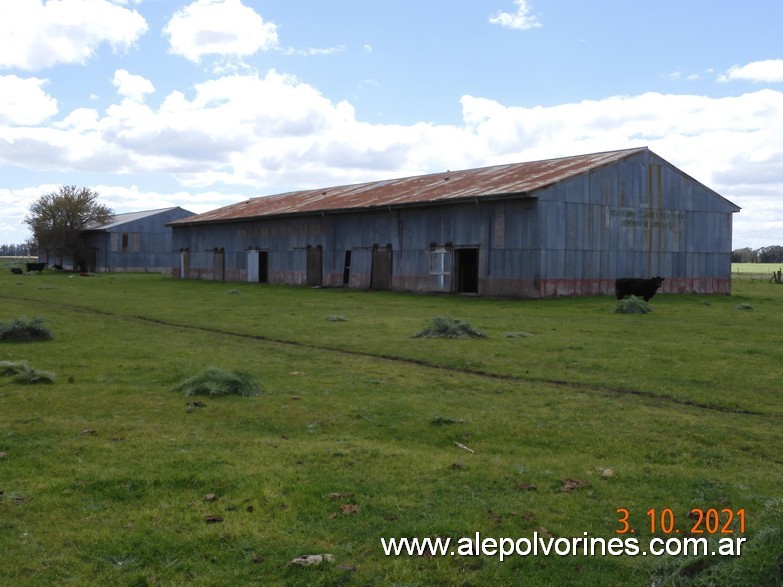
pixel 134 87
pixel 35 35
pixel 769 71
pixel 314 51
pixel 520 20
pixel 219 27
pixel 23 101
pixel 265 134
pixel 15 203
pixel 733 145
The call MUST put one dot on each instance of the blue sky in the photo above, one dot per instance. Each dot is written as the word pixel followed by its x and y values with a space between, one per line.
pixel 200 104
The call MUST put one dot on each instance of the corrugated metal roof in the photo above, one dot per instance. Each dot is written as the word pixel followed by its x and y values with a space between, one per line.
pixel 127 217
pixel 499 180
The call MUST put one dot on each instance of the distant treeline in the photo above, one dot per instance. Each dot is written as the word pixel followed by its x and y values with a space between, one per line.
pixel 773 254
pixel 15 250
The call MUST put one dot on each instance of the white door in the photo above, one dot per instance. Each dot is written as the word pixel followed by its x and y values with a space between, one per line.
pixel 252 266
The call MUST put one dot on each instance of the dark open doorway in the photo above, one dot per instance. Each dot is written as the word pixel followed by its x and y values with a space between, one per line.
pixel 263 266
pixel 347 268
pixel 258 266
pixel 466 270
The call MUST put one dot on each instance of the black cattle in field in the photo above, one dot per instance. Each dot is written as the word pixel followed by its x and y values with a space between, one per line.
pixel 16 271
pixel 36 267
pixel 57 267
pixel 643 288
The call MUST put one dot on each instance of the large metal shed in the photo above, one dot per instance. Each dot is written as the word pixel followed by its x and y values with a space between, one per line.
pixel 567 226
pixel 134 241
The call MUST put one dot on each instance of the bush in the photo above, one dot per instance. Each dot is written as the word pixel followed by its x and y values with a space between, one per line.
pixel 632 305
pixel 23 330
pixel 446 327
pixel 215 382
pixel 23 373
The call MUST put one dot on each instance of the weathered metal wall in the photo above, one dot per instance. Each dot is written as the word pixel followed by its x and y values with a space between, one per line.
pixel 154 250
pixel 503 232
pixel 639 217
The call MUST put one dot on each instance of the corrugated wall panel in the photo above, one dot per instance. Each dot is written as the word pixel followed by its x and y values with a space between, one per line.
pixel 627 219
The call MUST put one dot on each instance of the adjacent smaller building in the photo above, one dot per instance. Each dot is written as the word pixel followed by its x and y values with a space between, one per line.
pixel 134 241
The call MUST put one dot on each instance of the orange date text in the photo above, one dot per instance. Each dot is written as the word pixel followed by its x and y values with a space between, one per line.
pixel 699 521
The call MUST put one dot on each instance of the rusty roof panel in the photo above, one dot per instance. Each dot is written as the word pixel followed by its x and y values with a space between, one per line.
pixel 496 181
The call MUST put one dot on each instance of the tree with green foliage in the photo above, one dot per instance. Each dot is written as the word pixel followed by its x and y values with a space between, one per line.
pixel 57 219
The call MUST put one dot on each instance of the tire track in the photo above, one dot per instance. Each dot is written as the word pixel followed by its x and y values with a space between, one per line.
pixel 605 389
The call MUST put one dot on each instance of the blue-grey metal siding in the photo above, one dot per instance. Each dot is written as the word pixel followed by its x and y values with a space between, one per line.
pixel 637 217
pixel 155 249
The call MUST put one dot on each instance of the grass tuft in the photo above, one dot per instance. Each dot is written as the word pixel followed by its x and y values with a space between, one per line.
pixel 215 382
pixel 447 327
pixel 24 330
pixel 23 373
pixel 11 368
pixel 632 305
pixel 443 421
pixel 517 334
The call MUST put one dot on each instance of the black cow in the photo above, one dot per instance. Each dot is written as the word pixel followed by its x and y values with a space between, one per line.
pixel 36 267
pixel 16 271
pixel 629 286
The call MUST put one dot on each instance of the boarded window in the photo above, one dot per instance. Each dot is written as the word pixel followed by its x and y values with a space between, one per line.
pixel 184 264
pixel 314 275
pixel 381 271
pixel 219 264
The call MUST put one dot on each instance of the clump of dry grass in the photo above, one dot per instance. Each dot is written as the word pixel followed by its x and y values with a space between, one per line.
pixel 632 305
pixel 24 330
pixel 447 327
pixel 23 373
pixel 216 382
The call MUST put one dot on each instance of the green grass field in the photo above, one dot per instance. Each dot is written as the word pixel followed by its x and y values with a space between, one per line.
pixel 564 414
pixel 754 271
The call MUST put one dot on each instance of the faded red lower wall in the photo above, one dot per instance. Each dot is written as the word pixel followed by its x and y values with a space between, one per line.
pixel 589 287
pixel 513 288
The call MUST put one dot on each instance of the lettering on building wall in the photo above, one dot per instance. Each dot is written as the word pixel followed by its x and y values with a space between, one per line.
pixel 647 218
